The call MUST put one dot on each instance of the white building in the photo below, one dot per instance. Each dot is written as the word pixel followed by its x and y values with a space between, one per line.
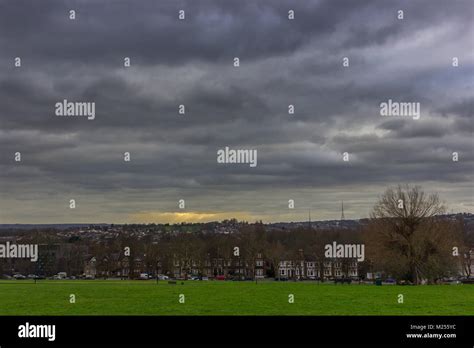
pixel 310 269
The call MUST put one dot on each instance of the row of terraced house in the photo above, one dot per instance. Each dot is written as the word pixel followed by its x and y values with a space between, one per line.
pixel 228 268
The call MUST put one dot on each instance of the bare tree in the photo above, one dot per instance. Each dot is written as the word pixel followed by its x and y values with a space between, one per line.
pixel 274 252
pixel 465 243
pixel 404 234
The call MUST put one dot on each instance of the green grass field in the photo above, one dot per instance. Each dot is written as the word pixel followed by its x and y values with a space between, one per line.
pixel 230 298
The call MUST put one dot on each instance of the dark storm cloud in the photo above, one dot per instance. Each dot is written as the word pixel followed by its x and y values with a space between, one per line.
pixel 151 31
pixel 107 30
pixel 189 62
pixel 463 108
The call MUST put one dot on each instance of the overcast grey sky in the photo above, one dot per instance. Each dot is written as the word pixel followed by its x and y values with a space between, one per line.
pixel 190 62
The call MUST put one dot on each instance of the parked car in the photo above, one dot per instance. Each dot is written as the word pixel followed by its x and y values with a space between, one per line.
pixel 60 275
pixel 19 276
pixel 343 280
pixel 405 282
pixel 220 277
pixel 389 281
pixel 163 277
pixel 144 276
pixel 468 281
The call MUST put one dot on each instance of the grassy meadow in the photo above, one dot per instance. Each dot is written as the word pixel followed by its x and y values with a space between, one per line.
pixel 110 297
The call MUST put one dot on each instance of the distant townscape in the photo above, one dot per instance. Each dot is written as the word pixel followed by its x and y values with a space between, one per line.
pixel 226 250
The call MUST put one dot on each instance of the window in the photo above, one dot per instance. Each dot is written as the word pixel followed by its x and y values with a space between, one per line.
pixel 282 272
pixel 259 263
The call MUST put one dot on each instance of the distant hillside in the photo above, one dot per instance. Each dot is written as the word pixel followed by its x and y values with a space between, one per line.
pixel 468 219
pixel 43 226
